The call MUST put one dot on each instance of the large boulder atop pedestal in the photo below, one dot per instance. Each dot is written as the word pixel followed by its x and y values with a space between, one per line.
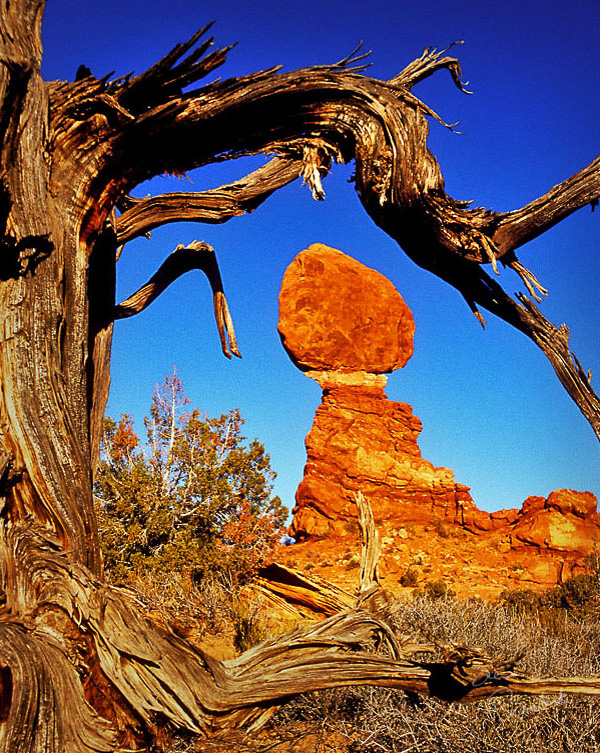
pixel 335 314
pixel 347 326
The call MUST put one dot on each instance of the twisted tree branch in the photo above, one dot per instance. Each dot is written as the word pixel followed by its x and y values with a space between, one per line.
pixel 197 255
pixel 522 225
pixel 104 138
pixel 214 206
pixel 336 113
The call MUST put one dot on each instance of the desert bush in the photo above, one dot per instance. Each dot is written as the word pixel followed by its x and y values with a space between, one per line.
pixel 195 499
pixel 353 562
pixel 436 588
pixel 351 526
pixel 410 577
pixel 578 596
pixel 174 600
pixel 250 622
pixel 374 720
pixel 521 600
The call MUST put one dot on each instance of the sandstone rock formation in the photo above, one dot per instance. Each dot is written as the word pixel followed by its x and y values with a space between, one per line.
pixel 345 325
pixel 565 522
pixel 360 440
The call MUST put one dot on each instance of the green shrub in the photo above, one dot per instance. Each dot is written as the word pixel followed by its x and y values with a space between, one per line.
pixel 195 499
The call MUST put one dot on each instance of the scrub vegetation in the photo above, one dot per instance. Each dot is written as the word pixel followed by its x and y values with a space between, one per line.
pixel 194 500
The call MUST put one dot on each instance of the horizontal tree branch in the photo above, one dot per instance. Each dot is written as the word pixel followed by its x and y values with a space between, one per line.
pixel 197 255
pixel 522 225
pixel 215 206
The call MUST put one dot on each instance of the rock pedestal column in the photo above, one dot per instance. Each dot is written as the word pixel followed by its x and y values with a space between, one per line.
pixel 346 326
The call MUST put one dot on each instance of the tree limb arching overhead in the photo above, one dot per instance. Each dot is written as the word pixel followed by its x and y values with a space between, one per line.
pixel 307 119
pixel 80 669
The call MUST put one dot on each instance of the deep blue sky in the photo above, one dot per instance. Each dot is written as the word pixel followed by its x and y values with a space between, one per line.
pixel 492 409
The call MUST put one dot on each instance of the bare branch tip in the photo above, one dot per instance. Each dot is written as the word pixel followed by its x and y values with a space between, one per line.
pixel 530 281
pixel 348 62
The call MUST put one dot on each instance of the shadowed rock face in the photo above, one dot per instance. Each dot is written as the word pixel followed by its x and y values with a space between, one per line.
pixel 345 325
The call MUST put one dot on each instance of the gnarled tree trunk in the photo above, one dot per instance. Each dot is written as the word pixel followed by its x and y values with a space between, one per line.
pixel 80 670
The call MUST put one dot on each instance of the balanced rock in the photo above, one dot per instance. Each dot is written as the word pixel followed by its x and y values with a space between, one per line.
pixel 346 326
pixel 335 314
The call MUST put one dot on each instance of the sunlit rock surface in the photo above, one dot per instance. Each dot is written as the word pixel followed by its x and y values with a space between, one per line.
pixel 361 441
pixel 336 314
pixel 345 326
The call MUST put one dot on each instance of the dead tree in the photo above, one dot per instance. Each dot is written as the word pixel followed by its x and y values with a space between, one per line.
pixel 80 670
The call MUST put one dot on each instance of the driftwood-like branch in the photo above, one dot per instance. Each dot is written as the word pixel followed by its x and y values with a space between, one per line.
pixel 160 676
pixel 197 255
pixel 215 206
pixel 523 225
pixel 369 585
pixel 300 593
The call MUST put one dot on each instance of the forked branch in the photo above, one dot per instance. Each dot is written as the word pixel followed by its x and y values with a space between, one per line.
pixel 197 255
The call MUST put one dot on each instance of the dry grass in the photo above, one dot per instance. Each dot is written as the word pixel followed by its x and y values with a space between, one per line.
pixel 372 720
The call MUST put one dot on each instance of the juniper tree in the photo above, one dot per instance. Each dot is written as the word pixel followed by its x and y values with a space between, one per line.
pixel 80 670
pixel 194 499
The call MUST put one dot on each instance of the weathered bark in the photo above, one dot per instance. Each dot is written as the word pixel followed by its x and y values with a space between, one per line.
pixel 80 670
pixel 184 259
